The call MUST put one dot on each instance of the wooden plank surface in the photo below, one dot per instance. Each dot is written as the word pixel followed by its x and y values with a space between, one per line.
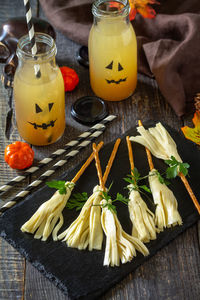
pixel 173 273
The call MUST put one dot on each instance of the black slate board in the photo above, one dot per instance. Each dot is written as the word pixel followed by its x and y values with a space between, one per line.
pixel 81 274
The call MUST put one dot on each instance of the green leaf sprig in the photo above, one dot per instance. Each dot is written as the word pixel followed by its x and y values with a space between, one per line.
pixel 160 177
pixel 134 179
pixel 77 201
pixel 109 202
pixel 105 196
pixel 175 167
pixel 60 185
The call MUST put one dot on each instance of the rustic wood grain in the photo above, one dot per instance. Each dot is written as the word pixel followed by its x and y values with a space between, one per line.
pixel 12 264
pixel 173 273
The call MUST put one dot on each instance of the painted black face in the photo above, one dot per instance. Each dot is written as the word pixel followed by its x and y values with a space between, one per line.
pixel 44 126
pixel 119 68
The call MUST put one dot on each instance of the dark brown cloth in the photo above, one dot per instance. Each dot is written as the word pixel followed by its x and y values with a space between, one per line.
pixel 168 46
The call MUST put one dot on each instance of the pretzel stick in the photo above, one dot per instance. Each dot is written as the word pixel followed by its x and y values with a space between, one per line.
pixel 86 164
pixel 111 159
pixel 149 157
pixel 190 192
pixel 98 166
pixel 130 154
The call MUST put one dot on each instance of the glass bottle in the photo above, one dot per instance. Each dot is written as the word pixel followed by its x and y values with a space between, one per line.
pixel 39 92
pixel 112 51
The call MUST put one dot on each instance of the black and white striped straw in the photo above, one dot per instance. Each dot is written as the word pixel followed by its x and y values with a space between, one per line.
pixel 21 195
pixel 31 34
pixel 56 154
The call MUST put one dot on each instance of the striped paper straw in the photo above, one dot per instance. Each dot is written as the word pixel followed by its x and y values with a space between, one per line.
pixel 21 195
pixel 56 154
pixel 31 34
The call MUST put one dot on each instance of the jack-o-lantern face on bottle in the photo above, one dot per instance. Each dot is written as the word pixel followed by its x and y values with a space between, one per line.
pixel 115 68
pixel 39 110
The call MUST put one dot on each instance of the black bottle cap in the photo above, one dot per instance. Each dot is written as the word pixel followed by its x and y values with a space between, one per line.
pixel 82 56
pixel 89 110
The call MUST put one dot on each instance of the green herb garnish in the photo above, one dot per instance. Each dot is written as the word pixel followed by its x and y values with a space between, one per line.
pixel 59 185
pixel 134 179
pixel 77 201
pixel 105 196
pixel 175 167
pixel 121 198
pixel 160 177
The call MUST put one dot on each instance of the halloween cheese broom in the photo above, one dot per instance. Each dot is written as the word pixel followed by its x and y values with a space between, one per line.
pixel 42 223
pixel 162 146
pixel 120 246
pixel 141 216
pixel 166 214
pixel 86 230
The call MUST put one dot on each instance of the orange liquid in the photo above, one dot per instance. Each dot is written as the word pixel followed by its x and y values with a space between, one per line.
pixel 113 59
pixel 39 105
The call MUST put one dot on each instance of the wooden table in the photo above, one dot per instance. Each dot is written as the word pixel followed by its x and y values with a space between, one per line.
pixel 173 273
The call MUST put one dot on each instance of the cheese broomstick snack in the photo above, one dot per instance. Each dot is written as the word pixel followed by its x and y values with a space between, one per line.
pixel 86 230
pixel 162 146
pixel 141 216
pixel 166 214
pixel 120 246
pixel 44 221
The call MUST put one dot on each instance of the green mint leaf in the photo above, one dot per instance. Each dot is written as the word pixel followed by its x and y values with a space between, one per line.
pixel 145 188
pixel 59 185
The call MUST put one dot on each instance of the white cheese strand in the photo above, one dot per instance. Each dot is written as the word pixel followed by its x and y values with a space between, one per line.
pixel 158 141
pixel 166 214
pixel 141 217
pixel 47 215
pixel 120 246
pixel 86 230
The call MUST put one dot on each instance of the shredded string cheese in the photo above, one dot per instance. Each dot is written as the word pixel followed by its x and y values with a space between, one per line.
pixel 43 221
pixel 120 246
pixel 86 229
pixel 158 141
pixel 166 214
pixel 141 217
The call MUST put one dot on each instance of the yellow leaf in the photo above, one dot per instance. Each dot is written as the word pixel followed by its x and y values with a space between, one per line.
pixel 193 134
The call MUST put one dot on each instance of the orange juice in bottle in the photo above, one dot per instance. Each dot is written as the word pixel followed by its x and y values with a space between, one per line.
pixel 112 51
pixel 39 100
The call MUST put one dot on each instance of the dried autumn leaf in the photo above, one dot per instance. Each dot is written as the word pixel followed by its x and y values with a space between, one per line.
pixel 142 7
pixel 193 134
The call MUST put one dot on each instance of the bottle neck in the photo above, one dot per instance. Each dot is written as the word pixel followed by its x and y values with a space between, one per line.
pixel 46 49
pixel 111 11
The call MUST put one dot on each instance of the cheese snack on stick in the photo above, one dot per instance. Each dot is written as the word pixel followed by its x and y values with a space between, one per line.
pixel 141 216
pixel 166 214
pixel 162 146
pixel 86 230
pixel 119 245
pixel 44 220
